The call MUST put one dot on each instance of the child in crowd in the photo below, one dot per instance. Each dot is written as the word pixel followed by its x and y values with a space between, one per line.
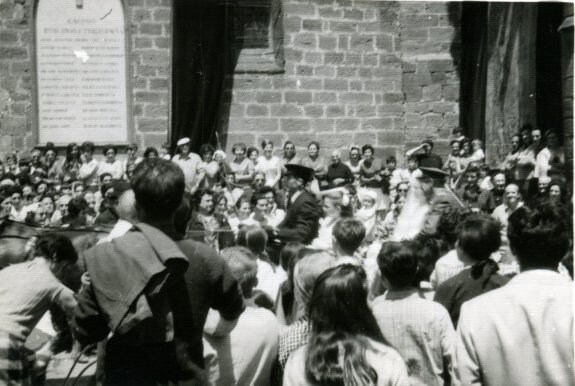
pixel 419 329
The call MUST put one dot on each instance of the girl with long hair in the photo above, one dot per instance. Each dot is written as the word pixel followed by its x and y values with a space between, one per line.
pixel 346 346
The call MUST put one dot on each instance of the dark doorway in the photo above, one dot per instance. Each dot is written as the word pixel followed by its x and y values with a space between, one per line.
pixel 548 65
pixel 473 68
pixel 203 36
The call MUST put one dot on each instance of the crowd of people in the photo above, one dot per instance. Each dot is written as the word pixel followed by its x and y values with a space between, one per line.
pixel 254 269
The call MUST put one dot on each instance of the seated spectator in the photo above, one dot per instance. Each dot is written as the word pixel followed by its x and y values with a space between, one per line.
pixel 477 154
pixel 306 271
pixel 522 333
pixel 210 167
pixel 111 164
pixel 269 165
pixel 316 162
pixel 253 154
pixel 243 217
pixel 425 156
pixel 289 156
pixel 479 236
pixel 484 181
pixel 491 199
pixel 370 175
pixel 395 175
pixel 345 344
pixel 354 162
pixel 557 193
pixel 132 156
pixel 207 226
pixel 76 214
pixel 551 160
pixel 247 354
pixel 274 215
pixel 335 206
pixel 388 226
pixel 151 153
pixel 348 234
pixel 511 201
pixel 542 193
pixel 241 166
pixel 338 174
pixel 89 169
pixel 18 211
pixel 165 152
pixel 470 178
pixel 419 329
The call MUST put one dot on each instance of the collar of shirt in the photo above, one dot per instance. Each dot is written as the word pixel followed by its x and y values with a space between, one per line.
pixel 401 294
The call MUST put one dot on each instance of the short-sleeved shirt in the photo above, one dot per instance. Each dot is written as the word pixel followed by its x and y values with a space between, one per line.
pixel 27 290
pixel 191 166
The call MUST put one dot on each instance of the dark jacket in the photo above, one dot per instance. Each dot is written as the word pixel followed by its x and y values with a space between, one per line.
pixel 195 230
pixel 140 290
pixel 468 284
pixel 301 222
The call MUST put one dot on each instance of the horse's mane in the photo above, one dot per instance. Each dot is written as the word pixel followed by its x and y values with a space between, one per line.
pixel 23 230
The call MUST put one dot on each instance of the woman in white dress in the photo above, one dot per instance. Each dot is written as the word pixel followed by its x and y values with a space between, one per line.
pixel 269 164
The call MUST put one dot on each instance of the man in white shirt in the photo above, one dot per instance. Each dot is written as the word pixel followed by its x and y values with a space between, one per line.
pixel 247 354
pixel 522 333
pixel 190 163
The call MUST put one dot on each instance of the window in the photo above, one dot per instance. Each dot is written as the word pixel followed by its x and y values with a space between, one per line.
pixel 259 36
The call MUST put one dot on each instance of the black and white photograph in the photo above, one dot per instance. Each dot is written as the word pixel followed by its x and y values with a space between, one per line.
pixel 286 193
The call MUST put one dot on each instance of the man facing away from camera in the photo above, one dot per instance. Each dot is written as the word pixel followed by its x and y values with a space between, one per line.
pixel 149 292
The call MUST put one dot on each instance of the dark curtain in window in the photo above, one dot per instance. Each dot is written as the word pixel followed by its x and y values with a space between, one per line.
pixel 202 58
pixel 474 60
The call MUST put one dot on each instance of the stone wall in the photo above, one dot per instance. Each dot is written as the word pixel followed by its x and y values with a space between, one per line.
pixel 356 72
pixel 149 32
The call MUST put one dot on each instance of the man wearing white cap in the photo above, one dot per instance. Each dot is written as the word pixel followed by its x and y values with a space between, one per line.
pixel 190 163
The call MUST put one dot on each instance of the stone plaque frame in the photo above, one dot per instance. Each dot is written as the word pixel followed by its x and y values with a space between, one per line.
pixel 130 130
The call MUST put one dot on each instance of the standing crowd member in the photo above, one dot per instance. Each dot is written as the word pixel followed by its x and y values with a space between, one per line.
pixel 311 242
pixel 155 321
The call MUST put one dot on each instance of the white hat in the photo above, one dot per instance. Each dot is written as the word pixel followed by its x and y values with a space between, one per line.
pixel 183 141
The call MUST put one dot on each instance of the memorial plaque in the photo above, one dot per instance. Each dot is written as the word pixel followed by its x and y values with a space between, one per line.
pixel 81 71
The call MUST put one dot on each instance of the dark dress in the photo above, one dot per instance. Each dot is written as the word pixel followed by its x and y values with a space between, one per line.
pixel 468 284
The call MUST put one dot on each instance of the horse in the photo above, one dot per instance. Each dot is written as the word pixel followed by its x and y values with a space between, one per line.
pixel 17 239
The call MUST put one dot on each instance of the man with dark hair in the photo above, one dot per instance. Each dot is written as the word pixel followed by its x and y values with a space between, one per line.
pixel 478 237
pixel 522 333
pixel 471 181
pixel 418 328
pixel 348 234
pixel 425 156
pixel 301 222
pixel 152 291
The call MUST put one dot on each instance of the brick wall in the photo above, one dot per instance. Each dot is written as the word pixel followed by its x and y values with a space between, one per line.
pixel 356 72
pixel 149 30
